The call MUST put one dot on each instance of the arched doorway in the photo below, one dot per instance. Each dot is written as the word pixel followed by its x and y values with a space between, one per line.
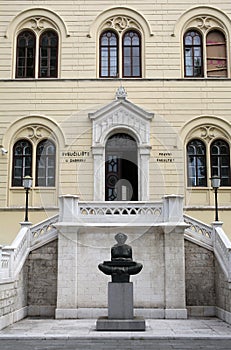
pixel 121 171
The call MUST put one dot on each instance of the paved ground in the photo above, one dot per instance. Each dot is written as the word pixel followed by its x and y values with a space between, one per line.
pixel 48 334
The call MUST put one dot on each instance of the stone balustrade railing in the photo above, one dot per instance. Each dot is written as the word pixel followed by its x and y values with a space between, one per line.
pixel 169 211
pixel 199 230
pixel 120 212
pixel 74 211
pixel 44 231
pixel 214 237
pixel 222 249
pixel 12 258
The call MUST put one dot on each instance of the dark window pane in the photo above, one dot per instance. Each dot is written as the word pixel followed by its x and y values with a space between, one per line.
pixel 45 164
pixel 193 59
pixel 25 56
pixel 131 54
pixel 196 162
pixel 22 161
pixel 48 55
pixel 220 161
pixel 108 55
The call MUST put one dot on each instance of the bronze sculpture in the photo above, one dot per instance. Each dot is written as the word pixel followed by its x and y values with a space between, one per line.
pixel 121 265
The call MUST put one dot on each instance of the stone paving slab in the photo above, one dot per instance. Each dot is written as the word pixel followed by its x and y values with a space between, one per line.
pixel 47 334
pixel 210 328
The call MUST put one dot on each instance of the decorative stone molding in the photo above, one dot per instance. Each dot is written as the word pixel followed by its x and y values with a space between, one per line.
pixel 120 18
pixel 121 23
pixel 32 127
pixel 38 24
pixel 35 132
pixel 121 114
pixel 207 128
pixel 37 19
pixel 207 132
pixel 203 18
pixel 204 23
pixel 121 93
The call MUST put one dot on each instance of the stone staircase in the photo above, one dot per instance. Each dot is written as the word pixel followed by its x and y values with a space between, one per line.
pixel 29 238
pixel 12 257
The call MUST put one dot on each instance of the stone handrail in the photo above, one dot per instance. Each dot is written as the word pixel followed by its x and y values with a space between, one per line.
pixel 213 236
pixel 12 257
pixel 121 211
pixel 74 211
pixel 5 264
pixel 222 249
pixel 44 231
pixel 199 230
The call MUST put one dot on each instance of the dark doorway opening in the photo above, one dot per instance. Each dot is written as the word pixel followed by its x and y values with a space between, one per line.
pixel 121 172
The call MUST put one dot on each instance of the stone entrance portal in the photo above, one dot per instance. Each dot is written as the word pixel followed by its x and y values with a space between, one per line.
pixel 124 121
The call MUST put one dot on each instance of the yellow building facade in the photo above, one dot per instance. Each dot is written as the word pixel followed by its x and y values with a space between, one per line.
pixel 114 101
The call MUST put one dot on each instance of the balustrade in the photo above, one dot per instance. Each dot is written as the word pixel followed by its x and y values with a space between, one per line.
pixel 199 230
pixel 13 257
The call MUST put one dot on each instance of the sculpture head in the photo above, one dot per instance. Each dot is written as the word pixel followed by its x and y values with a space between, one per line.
pixel 121 238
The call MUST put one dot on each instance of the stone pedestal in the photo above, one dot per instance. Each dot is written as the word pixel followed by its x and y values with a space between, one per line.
pixel 120 300
pixel 120 310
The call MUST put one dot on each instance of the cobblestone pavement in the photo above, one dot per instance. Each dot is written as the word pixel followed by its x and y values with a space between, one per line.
pixel 47 334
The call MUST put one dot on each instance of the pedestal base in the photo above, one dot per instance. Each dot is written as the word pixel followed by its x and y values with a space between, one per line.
pixel 120 301
pixel 135 324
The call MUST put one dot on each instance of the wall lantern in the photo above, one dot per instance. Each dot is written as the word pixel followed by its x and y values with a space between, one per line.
pixel 27 184
pixel 215 182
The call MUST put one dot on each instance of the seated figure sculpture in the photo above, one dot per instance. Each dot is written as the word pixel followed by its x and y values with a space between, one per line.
pixel 121 265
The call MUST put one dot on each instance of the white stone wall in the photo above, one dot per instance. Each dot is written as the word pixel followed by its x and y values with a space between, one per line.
pixel 159 289
pixel 13 299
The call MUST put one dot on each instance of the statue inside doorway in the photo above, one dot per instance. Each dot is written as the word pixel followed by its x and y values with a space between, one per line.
pixel 121 265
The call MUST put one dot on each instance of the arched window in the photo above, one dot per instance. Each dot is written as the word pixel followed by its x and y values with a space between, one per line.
pixel 193 54
pixel 220 161
pixel 108 55
pixel 196 161
pixel 37 54
pixel 22 161
pixel 216 54
pixel 205 53
pixel 131 44
pixel 25 56
pixel 48 55
pixel 45 164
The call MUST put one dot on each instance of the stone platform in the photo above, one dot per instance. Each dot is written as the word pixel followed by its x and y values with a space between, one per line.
pixel 50 334
pixel 106 324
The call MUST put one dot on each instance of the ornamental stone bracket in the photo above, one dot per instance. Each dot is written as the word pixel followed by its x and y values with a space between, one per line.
pixel 119 116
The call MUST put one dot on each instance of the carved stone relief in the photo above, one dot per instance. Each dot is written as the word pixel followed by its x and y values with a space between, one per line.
pixel 205 23
pixel 38 24
pixel 207 132
pixel 34 133
pixel 121 23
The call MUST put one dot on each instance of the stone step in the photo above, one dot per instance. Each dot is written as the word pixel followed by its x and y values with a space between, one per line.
pixel 115 344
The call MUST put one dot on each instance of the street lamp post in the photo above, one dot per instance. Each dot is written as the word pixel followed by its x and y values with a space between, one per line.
pixel 216 182
pixel 27 184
